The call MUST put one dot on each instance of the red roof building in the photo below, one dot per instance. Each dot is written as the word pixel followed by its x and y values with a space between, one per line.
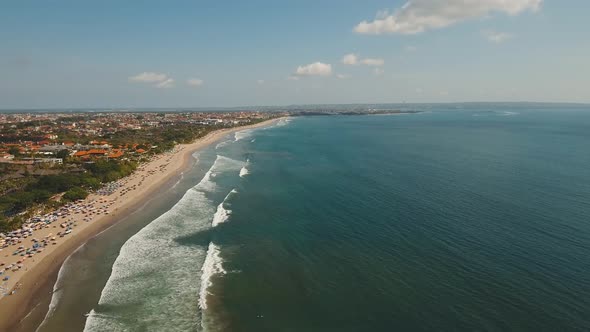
pixel 116 154
pixel 97 152
pixel 81 153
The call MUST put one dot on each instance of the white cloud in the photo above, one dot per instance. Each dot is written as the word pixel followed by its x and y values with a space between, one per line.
pixel 293 78
pixel 353 59
pixel 350 59
pixel 260 82
pixel 373 62
pixel 314 69
pixel 410 48
pixel 378 71
pixel 148 77
pixel 342 76
pixel 496 37
pixel 166 84
pixel 195 82
pixel 161 80
pixel 416 16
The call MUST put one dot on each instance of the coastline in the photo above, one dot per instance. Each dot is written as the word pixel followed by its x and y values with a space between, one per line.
pixel 41 273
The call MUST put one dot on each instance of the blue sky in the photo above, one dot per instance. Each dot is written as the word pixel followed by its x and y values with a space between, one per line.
pixel 217 53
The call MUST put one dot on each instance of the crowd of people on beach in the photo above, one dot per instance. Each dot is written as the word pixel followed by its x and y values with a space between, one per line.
pixel 25 245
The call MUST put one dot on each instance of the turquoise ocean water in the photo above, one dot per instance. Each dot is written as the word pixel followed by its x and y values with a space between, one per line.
pixel 455 219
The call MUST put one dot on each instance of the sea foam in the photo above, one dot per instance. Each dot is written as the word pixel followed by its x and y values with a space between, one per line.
pixel 222 214
pixel 222 144
pixel 155 278
pixel 57 292
pixel 244 171
pixel 284 122
pixel 213 265
pixel 240 135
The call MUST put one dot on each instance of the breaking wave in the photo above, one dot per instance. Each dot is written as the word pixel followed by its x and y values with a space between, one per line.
pixel 284 122
pixel 242 134
pixel 222 144
pixel 222 214
pixel 244 171
pixel 213 265
pixel 57 292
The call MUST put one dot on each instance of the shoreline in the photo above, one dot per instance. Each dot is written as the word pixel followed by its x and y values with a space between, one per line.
pixel 41 274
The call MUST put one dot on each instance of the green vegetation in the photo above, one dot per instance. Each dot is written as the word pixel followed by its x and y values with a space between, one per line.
pixel 75 194
pixel 38 192
pixel 14 151
pixel 9 185
pixel 8 224
pixel 107 171
pixel 163 138
pixel 63 154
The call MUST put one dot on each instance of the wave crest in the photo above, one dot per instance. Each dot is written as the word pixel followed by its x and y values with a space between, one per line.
pixel 222 214
pixel 213 265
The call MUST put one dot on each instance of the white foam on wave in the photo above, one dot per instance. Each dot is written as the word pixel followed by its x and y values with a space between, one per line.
pixel 244 171
pixel 222 214
pixel 281 123
pixel 57 292
pixel 222 144
pixel 242 134
pixel 155 278
pixel 284 122
pixel 179 180
pixel 95 314
pixel 213 265
pixel 221 164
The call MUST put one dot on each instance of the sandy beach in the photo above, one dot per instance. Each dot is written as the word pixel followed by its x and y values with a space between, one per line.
pixel 86 219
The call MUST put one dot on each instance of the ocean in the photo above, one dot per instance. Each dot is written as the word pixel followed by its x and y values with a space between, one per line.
pixel 458 218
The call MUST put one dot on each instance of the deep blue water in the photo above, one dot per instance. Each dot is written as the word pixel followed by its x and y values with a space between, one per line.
pixel 448 220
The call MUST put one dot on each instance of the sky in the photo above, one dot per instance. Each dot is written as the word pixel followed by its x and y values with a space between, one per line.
pixel 129 54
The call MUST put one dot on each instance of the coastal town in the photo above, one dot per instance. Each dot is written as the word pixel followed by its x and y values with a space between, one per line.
pixel 60 172
pixel 34 138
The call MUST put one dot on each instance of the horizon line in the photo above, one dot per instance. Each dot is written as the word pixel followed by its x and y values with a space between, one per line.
pixel 119 108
